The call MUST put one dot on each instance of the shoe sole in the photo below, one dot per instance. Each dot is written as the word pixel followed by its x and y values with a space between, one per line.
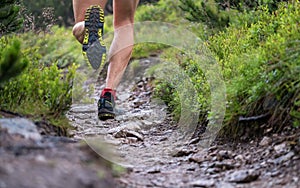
pixel 93 47
pixel 105 115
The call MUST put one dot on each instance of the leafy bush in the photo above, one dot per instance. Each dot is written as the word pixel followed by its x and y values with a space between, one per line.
pixel 10 20
pixel 206 12
pixel 250 58
pixel 259 56
pixel 12 63
pixel 44 88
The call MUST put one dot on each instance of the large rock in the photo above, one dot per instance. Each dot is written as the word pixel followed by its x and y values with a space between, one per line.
pixel 21 126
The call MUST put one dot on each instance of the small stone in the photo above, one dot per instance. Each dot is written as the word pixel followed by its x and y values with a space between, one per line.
pixel 224 165
pixel 147 123
pixel 153 170
pixel 132 139
pixel 284 158
pixel 198 158
pixel 224 154
pixel 88 122
pixel 265 141
pixel 212 170
pixel 224 185
pixel 281 148
pixel 296 179
pixel 128 133
pixel 203 183
pixel 135 134
pixel 239 158
pixel 135 126
pixel 242 176
pixel 275 173
pixel 212 148
pixel 40 158
pixel 248 157
pixel 184 152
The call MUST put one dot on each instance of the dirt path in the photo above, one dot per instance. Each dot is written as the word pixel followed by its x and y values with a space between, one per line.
pixel 144 139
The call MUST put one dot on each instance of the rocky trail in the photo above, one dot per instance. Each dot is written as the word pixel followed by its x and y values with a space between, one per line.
pixel 143 139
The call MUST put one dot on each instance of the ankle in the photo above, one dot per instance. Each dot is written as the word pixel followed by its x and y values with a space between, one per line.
pixel 112 91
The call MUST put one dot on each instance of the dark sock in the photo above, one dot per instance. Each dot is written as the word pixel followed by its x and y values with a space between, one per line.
pixel 113 92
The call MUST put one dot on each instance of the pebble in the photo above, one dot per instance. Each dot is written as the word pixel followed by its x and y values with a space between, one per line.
pixel 224 165
pixel 128 133
pixel 132 139
pixel 224 185
pixel 135 126
pixel 153 170
pixel 184 152
pixel 199 158
pixel 243 176
pixel 239 158
pixel 265 141
pixel 203 183
pixel 213 170
pixel 41 158
pixel 224 154
pixel 281 148
pixel 284 158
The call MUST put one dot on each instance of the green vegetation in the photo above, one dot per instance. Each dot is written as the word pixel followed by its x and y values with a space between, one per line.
pixel 256 44
pixel 260 63
pixel 41 15
pixel 43 90
pixel 12 63
pixel 10 20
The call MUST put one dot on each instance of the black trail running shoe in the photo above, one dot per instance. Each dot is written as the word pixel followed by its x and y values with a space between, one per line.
pixel 106 107
pixel 93 47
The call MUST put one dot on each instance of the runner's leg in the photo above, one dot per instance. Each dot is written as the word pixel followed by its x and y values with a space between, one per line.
pixel 121 48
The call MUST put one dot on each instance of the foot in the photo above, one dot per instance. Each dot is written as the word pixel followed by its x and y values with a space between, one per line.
pixel 90 34
pixel 106 106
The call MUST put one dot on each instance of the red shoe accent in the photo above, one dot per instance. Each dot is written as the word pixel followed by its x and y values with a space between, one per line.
pixel 113 92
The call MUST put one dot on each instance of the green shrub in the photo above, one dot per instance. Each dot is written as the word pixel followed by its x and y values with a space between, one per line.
pixel 164 11
pixel 12 63
pixel 44 88
pixel 10 20
pixel 259 59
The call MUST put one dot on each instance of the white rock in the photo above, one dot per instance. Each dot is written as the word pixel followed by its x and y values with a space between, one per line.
pixel 21 126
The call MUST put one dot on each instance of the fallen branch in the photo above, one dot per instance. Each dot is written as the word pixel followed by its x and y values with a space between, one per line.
pixel 254 118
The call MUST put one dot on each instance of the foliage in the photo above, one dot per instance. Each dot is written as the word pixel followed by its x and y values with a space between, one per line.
pixel 259 57
pixel 242 5
pixel 168 93
pixel 218 14
pixel 44 88
pixel 164 11
pixel 12 63
pixel 261 76
pixel 10 20
pixel 40 14
pixel 58 46
pixel 206 12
